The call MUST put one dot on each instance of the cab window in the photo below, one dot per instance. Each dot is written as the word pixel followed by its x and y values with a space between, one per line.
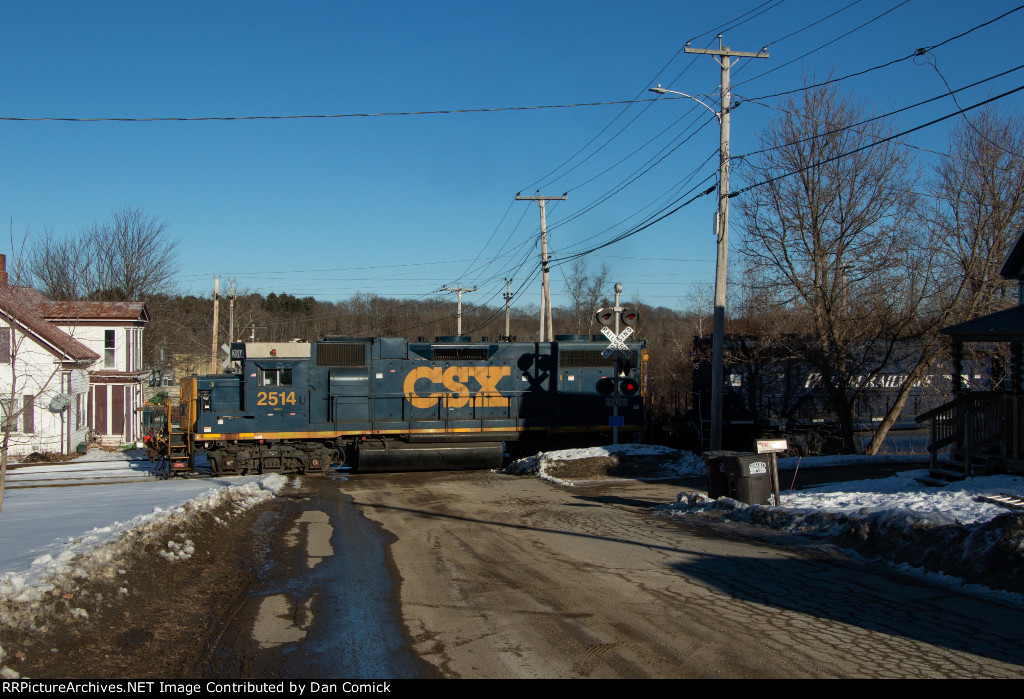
pixel 275 377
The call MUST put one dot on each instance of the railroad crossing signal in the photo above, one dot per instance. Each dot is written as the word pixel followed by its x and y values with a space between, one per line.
pixel 618 342
pixel 617 388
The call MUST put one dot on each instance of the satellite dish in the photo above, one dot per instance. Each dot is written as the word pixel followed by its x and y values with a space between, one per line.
pixel 60 402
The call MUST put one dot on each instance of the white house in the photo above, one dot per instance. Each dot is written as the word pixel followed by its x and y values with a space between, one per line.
pixel 113 330
pixel 44 378
pixel 67 367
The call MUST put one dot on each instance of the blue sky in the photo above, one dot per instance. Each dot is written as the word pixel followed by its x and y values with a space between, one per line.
pixel 403 205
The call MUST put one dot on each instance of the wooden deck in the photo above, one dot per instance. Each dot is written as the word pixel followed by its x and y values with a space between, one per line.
pixel 977 433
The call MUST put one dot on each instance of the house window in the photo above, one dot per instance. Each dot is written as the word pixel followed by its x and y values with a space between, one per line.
pixel 79 412
pixel 108 349
pixel 7 422
pixel 5 345
pixel 28 419
pixel 276 377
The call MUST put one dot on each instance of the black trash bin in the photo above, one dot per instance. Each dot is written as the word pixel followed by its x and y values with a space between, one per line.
pixel 718 483
pixel 748 477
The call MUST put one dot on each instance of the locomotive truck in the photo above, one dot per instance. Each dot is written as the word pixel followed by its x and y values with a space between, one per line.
pixel 385 403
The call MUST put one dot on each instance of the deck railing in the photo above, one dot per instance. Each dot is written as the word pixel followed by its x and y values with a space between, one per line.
pixel 974 421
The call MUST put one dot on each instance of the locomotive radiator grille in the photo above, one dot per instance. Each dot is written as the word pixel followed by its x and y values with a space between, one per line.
pixel 340 355
pixel 582 358
pixel 454 353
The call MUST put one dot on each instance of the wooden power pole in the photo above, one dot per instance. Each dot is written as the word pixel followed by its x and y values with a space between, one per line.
pixel 726 59
pixel 216 308
pixel 546 323
pixel 460 291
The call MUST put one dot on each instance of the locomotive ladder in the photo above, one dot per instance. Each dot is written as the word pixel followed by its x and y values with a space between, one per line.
pixel 176 457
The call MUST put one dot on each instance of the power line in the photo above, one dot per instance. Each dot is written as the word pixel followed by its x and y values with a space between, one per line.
pixel 853 126
pixel 544 183
pixel 875 143
pixel 826 44
pixel 328 116
pixel 916 52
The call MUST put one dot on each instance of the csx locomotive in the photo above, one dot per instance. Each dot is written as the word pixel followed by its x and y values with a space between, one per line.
pixel 381 403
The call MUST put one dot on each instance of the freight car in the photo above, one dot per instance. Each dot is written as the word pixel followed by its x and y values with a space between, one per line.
pixel 770 389
pixel 378 403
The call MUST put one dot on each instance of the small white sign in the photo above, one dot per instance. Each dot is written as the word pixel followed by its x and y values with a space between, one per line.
pixel 765 446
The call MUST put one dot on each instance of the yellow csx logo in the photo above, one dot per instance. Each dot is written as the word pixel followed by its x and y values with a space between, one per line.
pixel 458 394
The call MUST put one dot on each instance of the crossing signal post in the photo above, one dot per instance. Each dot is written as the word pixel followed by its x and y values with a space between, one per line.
pixel 617 388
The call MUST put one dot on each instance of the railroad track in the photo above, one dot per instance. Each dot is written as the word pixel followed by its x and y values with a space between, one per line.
pixel 80 472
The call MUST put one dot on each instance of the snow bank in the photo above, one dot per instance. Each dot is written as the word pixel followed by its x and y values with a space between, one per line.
pixel 939 530
pixel 98 553
pixel 567 466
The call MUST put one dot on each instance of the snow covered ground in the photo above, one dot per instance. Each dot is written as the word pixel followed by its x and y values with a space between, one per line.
pixel 54 538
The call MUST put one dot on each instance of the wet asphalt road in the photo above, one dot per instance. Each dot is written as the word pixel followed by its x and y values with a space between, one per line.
pixel 499 576
pixel 327 602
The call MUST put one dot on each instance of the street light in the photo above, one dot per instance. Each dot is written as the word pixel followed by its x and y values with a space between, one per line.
pixel 661 91
pixel 725 57
pixel 721 264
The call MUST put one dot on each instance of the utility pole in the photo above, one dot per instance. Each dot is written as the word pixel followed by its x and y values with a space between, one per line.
pixel 508 313
pixel 460 291
pixel 231 313
pixel 546 323
pixel 726 58
pixel 216 308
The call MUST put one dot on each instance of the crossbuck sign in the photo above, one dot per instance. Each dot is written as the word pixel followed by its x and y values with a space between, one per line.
pixel 618 343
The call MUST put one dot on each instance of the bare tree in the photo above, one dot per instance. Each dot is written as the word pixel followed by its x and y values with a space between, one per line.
pixel 977 214
pixel 699 302
pixel 829 227
pixel 134 256
pixel 61 267
pixel 129 257
pixel 584 291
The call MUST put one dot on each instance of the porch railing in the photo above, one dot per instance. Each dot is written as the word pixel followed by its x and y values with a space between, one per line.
pixel 975 421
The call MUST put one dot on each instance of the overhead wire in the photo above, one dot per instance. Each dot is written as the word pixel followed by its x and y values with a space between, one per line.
pixel 886 115
pixel 825 45
pixel 875 143
pixel 917 52
pixel 756 100
pixel 735 22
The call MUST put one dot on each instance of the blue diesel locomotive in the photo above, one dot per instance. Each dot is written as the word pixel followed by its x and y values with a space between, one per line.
pixel 378 403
